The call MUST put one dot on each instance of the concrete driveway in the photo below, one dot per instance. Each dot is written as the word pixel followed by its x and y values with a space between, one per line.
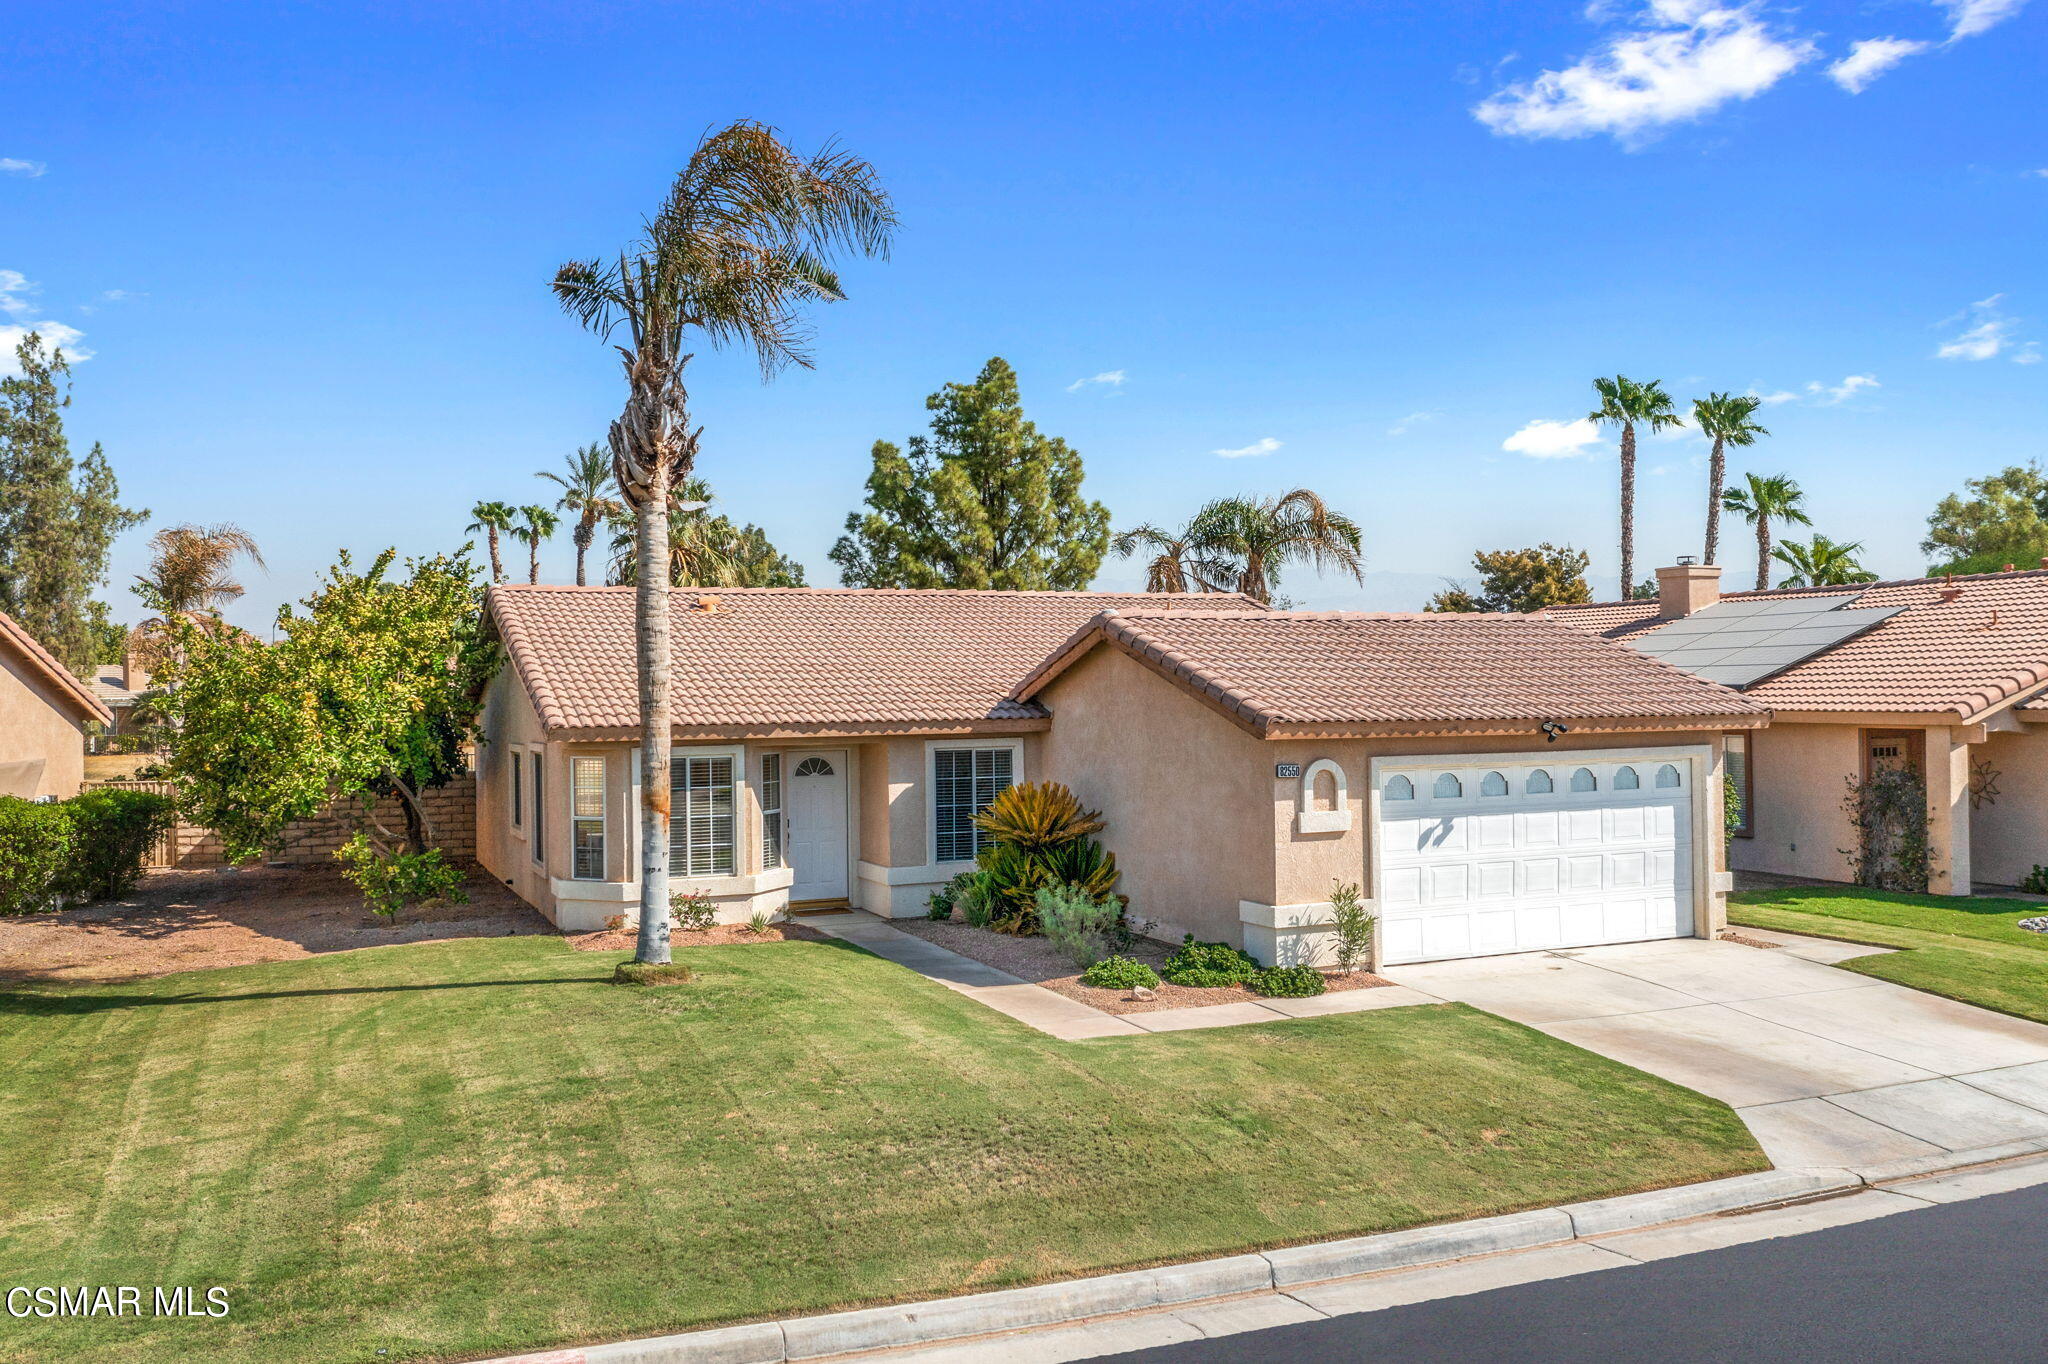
pixel 1827 1067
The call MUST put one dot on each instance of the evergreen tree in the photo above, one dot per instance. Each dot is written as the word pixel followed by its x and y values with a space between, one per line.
pixel 984 501
pixel 1520 580
pixel 58 517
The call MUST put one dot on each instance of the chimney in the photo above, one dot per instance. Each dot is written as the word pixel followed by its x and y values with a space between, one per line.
pixel 1686 587
pixel 134 677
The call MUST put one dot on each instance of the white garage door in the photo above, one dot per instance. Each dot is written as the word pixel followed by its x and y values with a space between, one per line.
pixel 1569 852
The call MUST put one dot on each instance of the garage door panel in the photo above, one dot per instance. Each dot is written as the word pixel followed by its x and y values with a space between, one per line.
pixel 1479 870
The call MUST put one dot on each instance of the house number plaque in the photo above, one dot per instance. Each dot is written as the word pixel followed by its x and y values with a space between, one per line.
pixel 1286 771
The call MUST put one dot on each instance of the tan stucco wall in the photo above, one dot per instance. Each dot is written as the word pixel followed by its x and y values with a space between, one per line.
pixel 36 729
pixel 2009 833
pixel 1187 795
pixel 508 724
pixel 1799 774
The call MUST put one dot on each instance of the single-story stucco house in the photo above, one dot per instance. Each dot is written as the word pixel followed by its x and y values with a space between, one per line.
pixel 1947 675
pixel 1495 783
pixel 44 712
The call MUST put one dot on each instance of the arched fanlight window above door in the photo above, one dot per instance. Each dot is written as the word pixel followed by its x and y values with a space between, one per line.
pixel 813 767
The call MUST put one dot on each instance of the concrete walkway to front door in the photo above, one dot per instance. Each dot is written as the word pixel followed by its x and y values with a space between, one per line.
pixel 1827 1067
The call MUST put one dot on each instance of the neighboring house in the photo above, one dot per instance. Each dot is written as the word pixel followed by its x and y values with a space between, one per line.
pixel 119 686
pixel 1496 784
pixel 44 712
pixel 1946 675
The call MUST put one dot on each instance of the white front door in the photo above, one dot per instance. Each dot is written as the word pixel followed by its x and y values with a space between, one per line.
pixel 1574 850
pixel 816 815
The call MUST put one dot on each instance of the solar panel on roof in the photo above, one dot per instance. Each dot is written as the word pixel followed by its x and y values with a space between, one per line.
pixel 1740 642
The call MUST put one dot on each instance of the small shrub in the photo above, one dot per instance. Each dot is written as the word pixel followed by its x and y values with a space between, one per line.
pixel 37 842
pixel 760 921
pixel 615 923
pixel 391 882
pixel 647 973
pixel 1120 973
pixel 1287 982
pixel 1038 836
pixel 938 907
pixel 693 912
pixel 2036 882
pixel 1208 965
pixel 114 830
pixel 1354 927
pixel 975 898
pixel 1081 926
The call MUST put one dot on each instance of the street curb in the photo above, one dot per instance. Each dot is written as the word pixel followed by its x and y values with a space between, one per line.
pixel 1108 1295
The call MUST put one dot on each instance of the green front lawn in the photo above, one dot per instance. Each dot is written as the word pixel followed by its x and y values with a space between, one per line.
pixel 1964 948
pixel 479 1147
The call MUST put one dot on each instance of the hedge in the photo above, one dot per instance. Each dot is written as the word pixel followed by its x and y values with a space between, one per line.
pixel 90 847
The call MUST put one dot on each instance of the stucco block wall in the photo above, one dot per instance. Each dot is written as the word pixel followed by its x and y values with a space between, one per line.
pixel 508 725
pixel 2009 829
pixel 1798 776
pixel 40 745
pixel 1188 796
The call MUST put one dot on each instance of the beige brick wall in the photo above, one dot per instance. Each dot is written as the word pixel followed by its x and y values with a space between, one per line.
pixel 451 815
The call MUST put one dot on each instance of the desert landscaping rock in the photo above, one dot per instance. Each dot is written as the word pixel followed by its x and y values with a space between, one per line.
pixel 2037 924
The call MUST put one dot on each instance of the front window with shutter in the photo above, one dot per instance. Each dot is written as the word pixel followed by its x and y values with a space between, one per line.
pixel 771 810
pixel 700 835
pixel 586 818
pixel 964 781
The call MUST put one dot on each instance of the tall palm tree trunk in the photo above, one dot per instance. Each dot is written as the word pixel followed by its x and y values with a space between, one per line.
pixel 1763 552
pixel 585 530
pixel 650 604
pixel 533 560
pixel 497 564
pixel 1717 472
pixel 1628 510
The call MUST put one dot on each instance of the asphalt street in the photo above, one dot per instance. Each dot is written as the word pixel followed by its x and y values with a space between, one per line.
pixel 1964 1281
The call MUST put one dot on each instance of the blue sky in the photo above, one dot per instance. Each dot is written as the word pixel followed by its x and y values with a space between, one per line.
pixel 1376 250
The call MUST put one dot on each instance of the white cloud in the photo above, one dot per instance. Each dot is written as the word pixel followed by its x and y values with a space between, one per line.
pixel 1988 335
pixel 1783 395
pixel 1696 57
pixel 1842 392
pixel 11 165
pixel 1967 18
pixel 1265 445
pixel 1871 58
pixel 1410 422
pixel 1554 440
pixel 18 306
pixel 1109 378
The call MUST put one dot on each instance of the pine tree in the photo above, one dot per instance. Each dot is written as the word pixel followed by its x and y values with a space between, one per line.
pixel 58 517
pixel 984 501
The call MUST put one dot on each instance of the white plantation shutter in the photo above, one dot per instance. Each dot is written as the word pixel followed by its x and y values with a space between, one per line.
pixel 586 818
pixel 700 835
pixel 964 781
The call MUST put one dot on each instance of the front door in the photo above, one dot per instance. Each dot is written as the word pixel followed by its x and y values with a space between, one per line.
pixel 816 815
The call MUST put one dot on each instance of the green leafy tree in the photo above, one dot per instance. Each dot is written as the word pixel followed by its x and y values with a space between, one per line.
pixel 986 500
pixel 587 495
pixel 707 550
pixel 493 520
pixel 1822 562
pixel 740 247
pixel 2003 520
pixel 1521 580
pixel 369 692
pixel 1255 538
pixel 1725 419
pixel 1627 404
pixel 1762 499
pixel 58 516
pixel 536 527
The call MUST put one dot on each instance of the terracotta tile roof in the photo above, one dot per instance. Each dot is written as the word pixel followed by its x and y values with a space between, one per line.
pixel 41 663
pixel 107 684
pixel 1953 657
pixel 1366 669
pixel 817 659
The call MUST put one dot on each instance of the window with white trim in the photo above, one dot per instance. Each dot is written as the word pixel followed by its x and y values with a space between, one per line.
pixel 539 812
pixel 586 818
pixel 964 781
pixel 771 810
pixel 700 831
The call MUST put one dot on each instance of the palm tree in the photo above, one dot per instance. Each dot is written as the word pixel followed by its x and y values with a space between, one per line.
pixel 493 519
pixel 1763 498
pixel 536 529
pixel 1628 404
pixel 1256 537
pixel 742 241
pixel 190 568
pixel 1822 563
pixel 1177 564
pixel 587 494
pixel 1725 418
